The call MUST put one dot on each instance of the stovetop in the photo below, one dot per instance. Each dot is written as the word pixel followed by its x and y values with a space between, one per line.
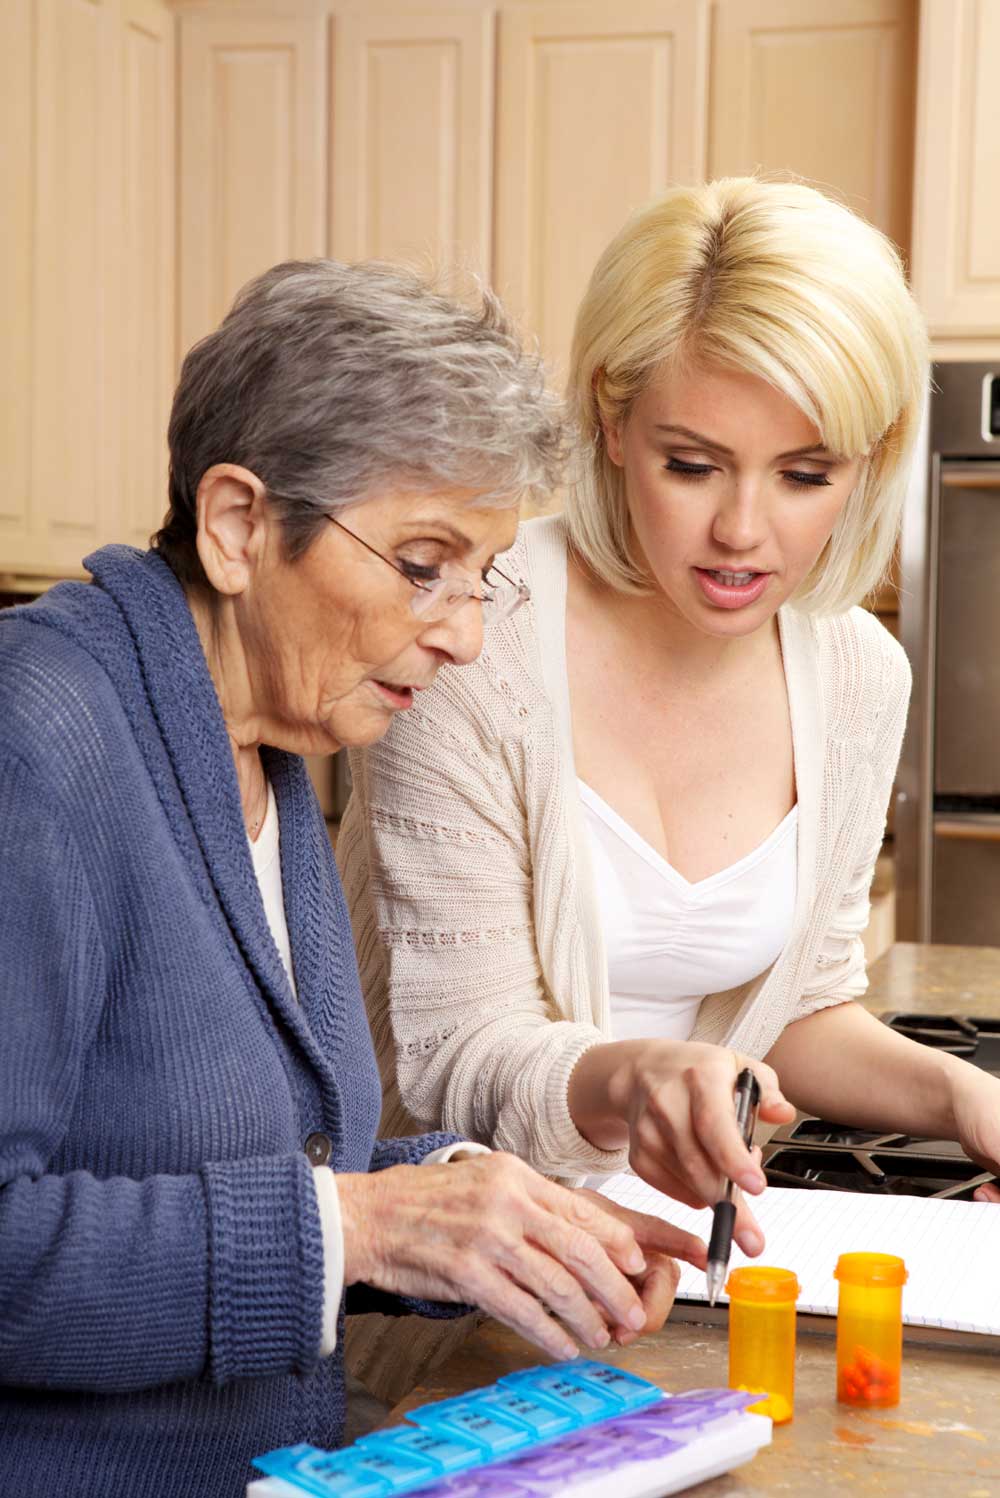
pixel 976 1040
pixel 813 1154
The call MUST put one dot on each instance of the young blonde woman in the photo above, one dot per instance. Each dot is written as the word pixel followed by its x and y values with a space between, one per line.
pixel 629 850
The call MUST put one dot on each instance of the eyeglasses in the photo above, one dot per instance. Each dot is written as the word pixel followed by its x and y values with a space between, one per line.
pixel 445 595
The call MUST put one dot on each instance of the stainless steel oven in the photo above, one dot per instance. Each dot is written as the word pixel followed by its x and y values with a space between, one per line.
pixel 947 822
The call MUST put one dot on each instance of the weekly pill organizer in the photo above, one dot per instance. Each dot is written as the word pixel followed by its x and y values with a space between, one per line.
pixel 560 1430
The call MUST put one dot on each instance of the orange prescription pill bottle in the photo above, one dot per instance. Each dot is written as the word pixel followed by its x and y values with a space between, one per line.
pixel 762 1336
pixel 869 1328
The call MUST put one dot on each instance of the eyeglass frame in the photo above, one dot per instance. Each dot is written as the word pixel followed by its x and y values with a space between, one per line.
pixel 522 592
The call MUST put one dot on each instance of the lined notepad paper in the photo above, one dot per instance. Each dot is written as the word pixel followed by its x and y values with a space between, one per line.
pixel 951 1249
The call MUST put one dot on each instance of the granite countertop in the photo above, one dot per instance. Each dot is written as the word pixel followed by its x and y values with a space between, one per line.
pixel 936 980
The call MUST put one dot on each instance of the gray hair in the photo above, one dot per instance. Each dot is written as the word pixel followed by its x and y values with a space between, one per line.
pixel 332 382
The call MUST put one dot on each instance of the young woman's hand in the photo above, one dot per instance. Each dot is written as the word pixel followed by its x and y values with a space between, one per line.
pixel 976 1109
pixel 672 1103
pixel 491 1231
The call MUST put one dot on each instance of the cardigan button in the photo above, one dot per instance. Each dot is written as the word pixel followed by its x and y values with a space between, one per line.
pixel 318 1149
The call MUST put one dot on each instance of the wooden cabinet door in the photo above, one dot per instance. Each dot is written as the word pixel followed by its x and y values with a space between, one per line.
pixel 146 317
pixel 956 246
pixel 412 118
pixel 18 24
pixel 823 91
pixel 252 153
pixel 70 466
pixel 88 118
pixel 600 108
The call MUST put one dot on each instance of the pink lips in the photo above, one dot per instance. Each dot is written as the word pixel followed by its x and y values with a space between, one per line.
pixel 731 596
pixel 398 698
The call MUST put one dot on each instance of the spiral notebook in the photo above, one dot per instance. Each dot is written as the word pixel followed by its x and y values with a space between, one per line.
pixel 951 1250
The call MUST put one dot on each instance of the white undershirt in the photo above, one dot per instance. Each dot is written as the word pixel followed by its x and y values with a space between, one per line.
pixel 266 855
pixel 670 942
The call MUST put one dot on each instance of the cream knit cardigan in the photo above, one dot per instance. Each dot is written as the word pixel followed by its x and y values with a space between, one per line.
pixel 467 872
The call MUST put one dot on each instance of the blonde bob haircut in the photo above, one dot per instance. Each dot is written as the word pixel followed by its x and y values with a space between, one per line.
pixel 776 280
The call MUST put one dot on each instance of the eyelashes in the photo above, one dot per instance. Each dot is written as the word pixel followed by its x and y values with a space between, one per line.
pixel 420 572
pixel 689 470
pixel 795 477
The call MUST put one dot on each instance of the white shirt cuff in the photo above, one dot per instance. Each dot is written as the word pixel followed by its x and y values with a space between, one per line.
pixel 463 1148
pixel 328 1201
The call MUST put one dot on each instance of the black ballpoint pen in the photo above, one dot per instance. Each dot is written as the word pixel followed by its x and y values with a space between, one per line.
pixel 724 1213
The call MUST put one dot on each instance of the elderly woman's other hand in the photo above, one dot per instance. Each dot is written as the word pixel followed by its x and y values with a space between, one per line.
pixel 493 1232
pixel 659 1241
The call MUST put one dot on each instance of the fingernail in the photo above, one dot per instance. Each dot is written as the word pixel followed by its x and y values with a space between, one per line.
pixel 602 1337
pixel 754 1243
pixel 636 1263
pixel 751 1181
pixel 636 1318
pixel 569 1351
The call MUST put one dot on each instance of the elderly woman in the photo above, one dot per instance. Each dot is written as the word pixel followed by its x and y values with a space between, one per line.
pixel 189 1174
pixel 629 850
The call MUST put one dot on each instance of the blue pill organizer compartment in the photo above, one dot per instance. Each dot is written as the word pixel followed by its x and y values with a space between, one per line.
pixel 566 1385
pixel 471 1418
pixel 544 1418
pixel 448 1453
pixel 635 1391
pixel 325 1473
pixel 546 1430
pixel 401 1470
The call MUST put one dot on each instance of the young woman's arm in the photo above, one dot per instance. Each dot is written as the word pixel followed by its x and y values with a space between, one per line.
pixel 438 859
pixel 842 1064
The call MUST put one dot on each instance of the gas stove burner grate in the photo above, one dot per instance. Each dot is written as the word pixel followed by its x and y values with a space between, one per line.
pixel 811 1131
pixel 975 1039
pixel 882 1172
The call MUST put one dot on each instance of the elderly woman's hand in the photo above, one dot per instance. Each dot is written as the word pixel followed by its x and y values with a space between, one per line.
pixel 493 1232
pixel 658 1240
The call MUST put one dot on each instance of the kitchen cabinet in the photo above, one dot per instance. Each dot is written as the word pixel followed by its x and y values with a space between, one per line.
pixel 956 247
pixel 514 137
pixel 600 108
pixel 251 168
pixel 411 114
pixel 507 137
pixel 822 91
pixel 87 275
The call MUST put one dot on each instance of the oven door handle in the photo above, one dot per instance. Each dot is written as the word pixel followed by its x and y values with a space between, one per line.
pixel 978 828
pixel 953 477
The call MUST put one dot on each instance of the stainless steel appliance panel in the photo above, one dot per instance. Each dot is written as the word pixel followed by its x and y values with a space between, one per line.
pixel 967 675
pixel 965 897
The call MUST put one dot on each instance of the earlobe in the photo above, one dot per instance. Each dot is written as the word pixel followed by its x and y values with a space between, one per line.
pixel 613 441
pixel 231 514
pixel 610 428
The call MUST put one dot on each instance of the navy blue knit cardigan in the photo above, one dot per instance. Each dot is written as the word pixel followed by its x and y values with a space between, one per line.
pixel 161 1270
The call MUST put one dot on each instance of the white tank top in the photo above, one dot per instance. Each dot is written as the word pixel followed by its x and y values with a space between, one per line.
pixel 266 855
pixel 670 942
